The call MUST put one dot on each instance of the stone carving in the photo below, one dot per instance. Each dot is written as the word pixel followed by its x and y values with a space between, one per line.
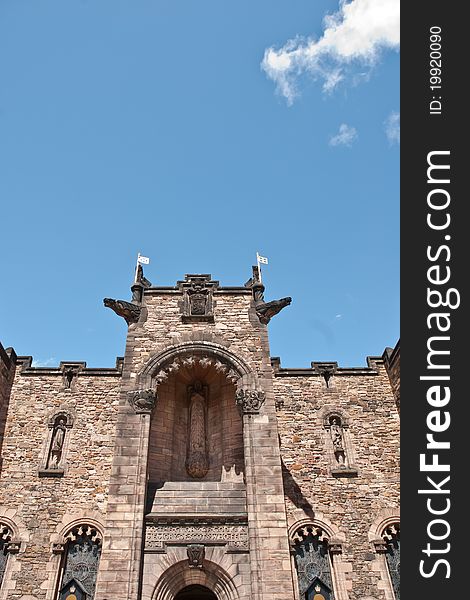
pixel 196 555
pixel 264 310
pixel 128 310
pixel 57 443
pixel 142 401
pixel 326 370
pixel 197 463
pixel 69 374
pixel 336 432
pixel 191 361
pixel 234 535
pixel 198 304
pixel 250 401
pixel 267 310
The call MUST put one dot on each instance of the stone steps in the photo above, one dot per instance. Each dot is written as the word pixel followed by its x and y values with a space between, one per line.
pixel 196 497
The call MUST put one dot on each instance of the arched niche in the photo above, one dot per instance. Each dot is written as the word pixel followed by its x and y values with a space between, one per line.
pixel 196 414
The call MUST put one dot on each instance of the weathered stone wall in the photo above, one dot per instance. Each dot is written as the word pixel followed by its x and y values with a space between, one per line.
pixel 116 450
pixel 314 487
pixel 236 336
pixel 45 505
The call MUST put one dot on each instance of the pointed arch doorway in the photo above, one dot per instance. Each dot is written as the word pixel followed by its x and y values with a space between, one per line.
pixel 195 592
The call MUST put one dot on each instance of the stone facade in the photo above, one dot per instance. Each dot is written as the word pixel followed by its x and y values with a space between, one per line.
pixel 198 463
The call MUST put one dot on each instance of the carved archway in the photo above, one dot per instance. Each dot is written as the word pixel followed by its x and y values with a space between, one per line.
pixel 180 576
pixel 174 357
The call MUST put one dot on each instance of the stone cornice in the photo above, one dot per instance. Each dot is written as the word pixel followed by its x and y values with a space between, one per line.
pixel 175 291
pixel 26 368
pixel 313 373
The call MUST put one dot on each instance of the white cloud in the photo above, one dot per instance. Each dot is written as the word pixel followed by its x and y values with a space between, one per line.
pixel 392 127
pixel 345 136
pixel 44 363
pixel 357 33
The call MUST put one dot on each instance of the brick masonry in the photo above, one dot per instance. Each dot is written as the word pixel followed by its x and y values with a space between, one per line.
pixel 271 469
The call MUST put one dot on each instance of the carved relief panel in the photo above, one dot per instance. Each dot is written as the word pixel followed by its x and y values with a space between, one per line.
pixel 198 302
pixel 197 461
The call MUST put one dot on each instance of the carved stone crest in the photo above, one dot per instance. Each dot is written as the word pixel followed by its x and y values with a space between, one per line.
pixel 250 401
pixel 196 554
pixel 142 401
pixel 198 303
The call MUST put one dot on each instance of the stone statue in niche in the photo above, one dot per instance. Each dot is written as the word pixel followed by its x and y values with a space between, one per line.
pixel 197 463
pixel 336 432
pixel 57 443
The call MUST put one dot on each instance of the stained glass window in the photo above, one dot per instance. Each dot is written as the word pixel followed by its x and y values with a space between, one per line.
pixel 5 538
pixel 313 564
pixel 392 539
pixel 80 565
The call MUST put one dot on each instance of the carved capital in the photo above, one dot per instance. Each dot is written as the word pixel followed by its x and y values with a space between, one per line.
pixel 250 401
pixel 58 548
pixel 13 547
pixel 196 555
pixel 335 546
pixel 142 401
pixel 380 546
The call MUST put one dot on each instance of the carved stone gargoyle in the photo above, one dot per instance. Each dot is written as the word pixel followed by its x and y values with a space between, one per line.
pixel 267 310
pixel 264 310
pixel 129 311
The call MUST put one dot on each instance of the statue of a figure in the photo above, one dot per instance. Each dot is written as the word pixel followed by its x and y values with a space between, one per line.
pixel 58 437
pixel 336 432
pixel 197 463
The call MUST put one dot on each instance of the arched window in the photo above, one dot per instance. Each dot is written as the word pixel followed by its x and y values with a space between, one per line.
pixel 79 567
pixel 312 560
pixel 5 539
pixel 391 537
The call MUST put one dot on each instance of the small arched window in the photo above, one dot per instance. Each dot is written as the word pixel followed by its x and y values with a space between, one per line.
pixel 80 562
pixel 391 537
pixel 312 560
pixel 5 538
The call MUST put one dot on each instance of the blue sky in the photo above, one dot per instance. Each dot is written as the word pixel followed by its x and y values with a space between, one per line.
pixel 198 133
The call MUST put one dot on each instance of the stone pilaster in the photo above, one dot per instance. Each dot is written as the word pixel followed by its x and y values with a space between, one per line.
pixel 121 559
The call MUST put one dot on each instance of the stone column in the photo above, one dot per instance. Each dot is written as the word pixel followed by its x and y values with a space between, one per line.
pixel 271 576
pixel 121 558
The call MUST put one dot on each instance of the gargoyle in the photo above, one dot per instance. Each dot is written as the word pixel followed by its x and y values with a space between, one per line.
pixel 267 310
pixel 129 311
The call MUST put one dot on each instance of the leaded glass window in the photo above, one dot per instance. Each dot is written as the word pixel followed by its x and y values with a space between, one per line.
pixel 5 539
pixel 391 537
pixel 80 565
pixel 312 561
